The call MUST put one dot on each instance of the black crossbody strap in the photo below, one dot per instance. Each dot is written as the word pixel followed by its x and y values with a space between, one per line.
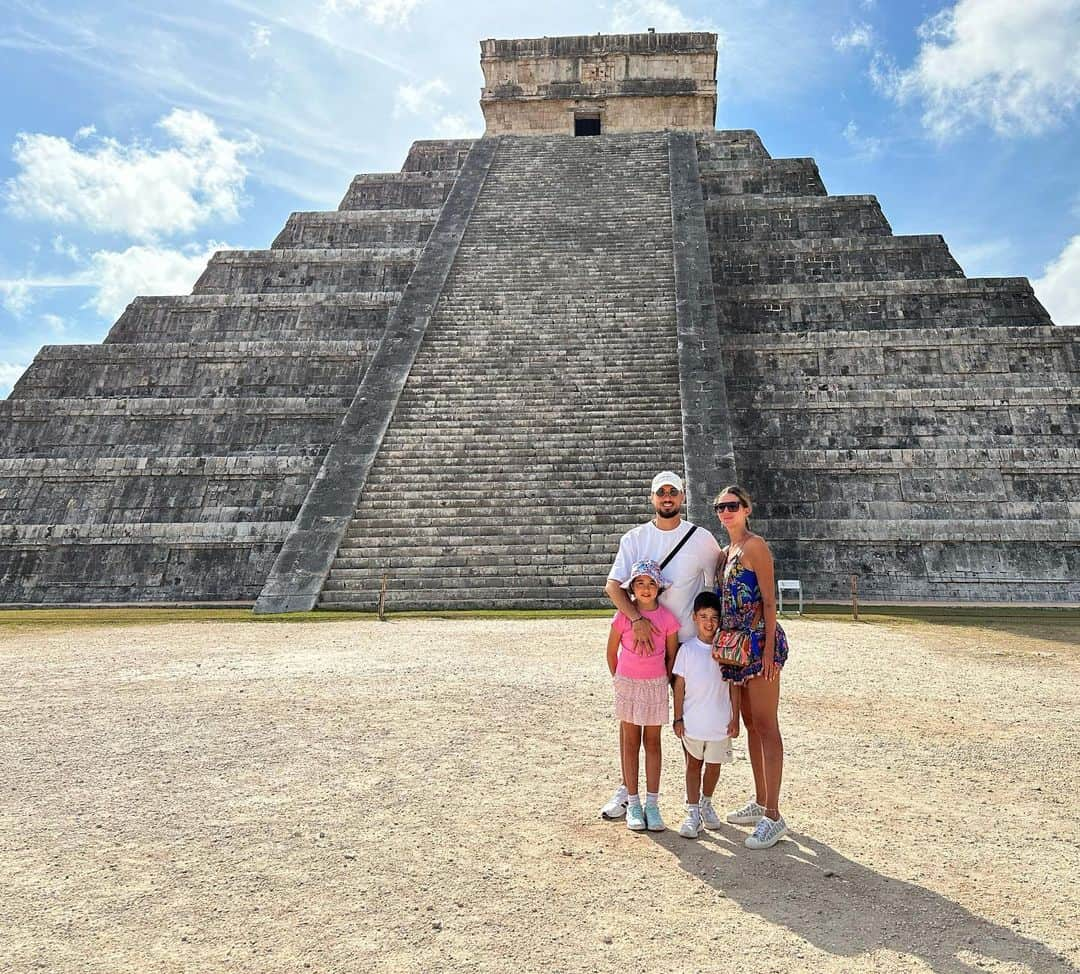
pixel 674 551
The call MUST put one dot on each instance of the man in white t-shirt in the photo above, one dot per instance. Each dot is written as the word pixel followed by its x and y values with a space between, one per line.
pixel 691 570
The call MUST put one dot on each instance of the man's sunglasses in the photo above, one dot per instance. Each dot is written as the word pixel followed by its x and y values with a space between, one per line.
pixel 732 506
pixel 665 492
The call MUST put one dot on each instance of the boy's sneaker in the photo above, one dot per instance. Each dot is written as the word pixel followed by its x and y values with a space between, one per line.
pixel 635 818
pixel 616 806
pixel 653 818
pixel 767 833
pixel 709 818
pixel 750 814
pixel 691 825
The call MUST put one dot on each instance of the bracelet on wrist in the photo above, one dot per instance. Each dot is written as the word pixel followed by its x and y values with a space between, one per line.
pixel 634 622
pixel 678 720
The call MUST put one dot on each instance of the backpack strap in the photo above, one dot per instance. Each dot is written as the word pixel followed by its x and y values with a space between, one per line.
pixel 674 551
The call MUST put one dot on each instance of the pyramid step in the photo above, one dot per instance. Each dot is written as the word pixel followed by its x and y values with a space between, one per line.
pixel 266 271
pixel 277 369
pixel 345 229
pixel 255 317
pixel 399 191
pixel 437 154
pixel 761 218
pixel 742 263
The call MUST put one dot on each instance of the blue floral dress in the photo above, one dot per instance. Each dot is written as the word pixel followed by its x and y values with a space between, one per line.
pixel 742 608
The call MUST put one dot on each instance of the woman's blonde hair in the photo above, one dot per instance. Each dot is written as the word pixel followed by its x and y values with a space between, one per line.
pixel 741 492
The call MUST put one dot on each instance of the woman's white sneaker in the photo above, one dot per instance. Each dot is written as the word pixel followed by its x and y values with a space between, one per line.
pixel 750 814
pixel 767 833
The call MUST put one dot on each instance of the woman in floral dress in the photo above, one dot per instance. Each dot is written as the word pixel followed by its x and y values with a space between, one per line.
pixel 746 585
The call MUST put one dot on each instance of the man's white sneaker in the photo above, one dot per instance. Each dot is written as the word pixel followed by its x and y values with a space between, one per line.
pixel 750 814
pixel 767 833
pixel 616 806
pixel 691 825
pixel 709 818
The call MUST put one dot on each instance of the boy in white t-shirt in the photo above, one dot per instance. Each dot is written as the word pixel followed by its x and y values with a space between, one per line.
pixel 706 716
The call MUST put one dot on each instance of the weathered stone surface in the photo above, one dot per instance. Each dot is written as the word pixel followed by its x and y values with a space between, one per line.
pixel 548 349
pixel 546 391
pixel 709 456
pixel 301 567
pixel 627 82
pixel 141 470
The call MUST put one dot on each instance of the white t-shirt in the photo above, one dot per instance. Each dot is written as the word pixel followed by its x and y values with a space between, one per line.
pixel 707 699
pixel 691 571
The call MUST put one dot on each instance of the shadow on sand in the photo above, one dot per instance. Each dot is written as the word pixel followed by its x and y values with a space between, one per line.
pixel 846 909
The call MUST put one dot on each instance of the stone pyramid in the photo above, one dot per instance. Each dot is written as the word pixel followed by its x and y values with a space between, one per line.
pixel 460 382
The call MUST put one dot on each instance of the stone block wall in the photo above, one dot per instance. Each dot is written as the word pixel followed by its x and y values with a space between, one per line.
pixel 633 82
pixel 896 420
pixel 168 463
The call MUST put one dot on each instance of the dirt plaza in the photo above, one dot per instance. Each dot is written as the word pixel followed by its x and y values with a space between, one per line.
pixel 422 795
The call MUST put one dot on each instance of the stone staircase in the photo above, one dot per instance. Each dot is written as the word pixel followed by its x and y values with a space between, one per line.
pixel 168 463
pixel 543 397
pixel 897 421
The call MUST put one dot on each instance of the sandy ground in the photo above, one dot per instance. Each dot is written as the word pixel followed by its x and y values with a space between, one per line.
pixel 422 795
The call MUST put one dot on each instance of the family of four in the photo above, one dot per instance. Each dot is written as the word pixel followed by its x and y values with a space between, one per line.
pixel 674 588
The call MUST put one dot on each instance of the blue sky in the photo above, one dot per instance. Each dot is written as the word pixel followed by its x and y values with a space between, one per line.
pixel 136 138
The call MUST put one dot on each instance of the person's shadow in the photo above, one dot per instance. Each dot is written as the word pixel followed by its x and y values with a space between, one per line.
pixel 847 909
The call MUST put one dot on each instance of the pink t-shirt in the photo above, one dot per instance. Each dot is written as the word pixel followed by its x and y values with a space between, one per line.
pixel 644 667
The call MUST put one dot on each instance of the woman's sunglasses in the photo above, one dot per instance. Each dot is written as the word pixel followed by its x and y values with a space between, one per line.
pixel 732 506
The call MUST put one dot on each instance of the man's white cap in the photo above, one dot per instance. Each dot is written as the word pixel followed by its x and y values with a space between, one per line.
pixel 667 478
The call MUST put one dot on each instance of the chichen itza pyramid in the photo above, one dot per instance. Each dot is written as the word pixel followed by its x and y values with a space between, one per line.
pixel 464 377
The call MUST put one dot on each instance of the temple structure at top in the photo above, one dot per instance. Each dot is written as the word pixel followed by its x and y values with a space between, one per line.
pixel 599 84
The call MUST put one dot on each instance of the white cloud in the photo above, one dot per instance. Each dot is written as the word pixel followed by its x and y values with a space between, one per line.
pixel 54 323
pixel 394 13
pixel 258 40
pixel 9 375
pixel 860 35
pixel 457 127
pixel 144 269
pixel 132 189
pixel 885 75
pixel 115 277
pixel 1012 66
pixel 984 258
pixel 427 99
pixel 420 99
pixel 65 248
pixel 865 146
pixel 1059 287
pixel 636 16
pixel 16 297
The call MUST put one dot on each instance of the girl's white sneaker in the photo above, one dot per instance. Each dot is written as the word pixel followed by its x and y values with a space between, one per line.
pixel 750 814
pixel 767 833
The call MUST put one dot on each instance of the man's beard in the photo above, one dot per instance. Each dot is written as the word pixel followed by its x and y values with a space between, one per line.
pixel 667 515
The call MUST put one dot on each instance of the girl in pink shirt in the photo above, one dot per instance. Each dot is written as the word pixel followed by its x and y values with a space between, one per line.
pixel 641 689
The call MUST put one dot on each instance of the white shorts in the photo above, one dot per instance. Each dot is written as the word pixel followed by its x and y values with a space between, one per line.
pixel 711 752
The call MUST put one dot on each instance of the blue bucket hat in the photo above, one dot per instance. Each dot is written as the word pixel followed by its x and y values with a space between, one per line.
pixel 646 567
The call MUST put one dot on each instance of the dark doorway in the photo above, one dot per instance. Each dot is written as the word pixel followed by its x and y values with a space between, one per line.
pixel 587 126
